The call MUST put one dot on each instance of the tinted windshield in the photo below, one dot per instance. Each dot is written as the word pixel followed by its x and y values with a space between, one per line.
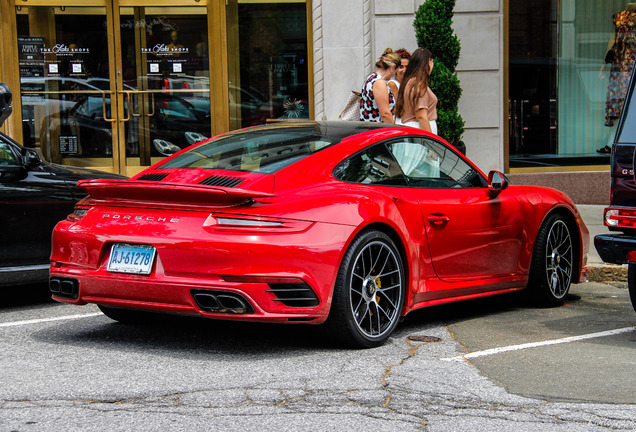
pixel 264 151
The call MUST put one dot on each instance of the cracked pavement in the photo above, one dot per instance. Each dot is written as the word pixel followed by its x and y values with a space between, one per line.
pixel 93 374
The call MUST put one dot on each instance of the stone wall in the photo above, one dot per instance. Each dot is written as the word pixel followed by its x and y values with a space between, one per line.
pixel 350 36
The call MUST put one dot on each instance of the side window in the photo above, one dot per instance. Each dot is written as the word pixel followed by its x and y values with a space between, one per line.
pixel 429 164
pixel 7 157
pixel 375 166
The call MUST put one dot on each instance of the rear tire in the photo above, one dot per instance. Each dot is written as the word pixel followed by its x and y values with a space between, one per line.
pixel 369 293
pixel 631 283
pixel 552 262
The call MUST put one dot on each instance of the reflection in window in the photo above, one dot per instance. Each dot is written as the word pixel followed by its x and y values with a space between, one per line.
pixel 273 67
pixel 6 155
pixel 372 166
pixel 566 85
pixel 429 164
pixel 263 152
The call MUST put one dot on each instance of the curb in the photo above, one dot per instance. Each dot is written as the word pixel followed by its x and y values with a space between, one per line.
pixel 607 273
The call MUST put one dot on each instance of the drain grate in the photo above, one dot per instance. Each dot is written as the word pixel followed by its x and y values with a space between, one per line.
pixel 426 339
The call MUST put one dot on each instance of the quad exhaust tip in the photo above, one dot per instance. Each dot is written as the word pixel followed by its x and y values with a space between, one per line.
pixel 222 302
pixel 64 287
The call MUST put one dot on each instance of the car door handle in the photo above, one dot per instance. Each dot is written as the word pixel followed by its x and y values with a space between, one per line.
pixel 438 219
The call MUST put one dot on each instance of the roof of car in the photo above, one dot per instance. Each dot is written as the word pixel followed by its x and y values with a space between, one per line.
pixel 334 128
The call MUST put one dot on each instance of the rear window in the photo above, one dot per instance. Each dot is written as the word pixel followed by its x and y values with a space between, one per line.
pixel 263 151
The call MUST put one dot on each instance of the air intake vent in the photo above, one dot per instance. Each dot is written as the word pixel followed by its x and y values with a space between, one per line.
pixel 225 181
pixel 294 294
pixel 154 176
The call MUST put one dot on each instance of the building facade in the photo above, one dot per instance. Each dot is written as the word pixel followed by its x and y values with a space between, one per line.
pixel 110 83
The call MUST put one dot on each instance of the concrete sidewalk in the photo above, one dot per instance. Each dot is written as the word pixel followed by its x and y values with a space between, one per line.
pixel 599 271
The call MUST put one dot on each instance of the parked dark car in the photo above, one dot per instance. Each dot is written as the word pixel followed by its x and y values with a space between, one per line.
pixel 620 217
pixel 34 196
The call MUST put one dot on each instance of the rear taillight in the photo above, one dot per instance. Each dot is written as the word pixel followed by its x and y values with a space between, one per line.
pixel 234 222
pixel 77 214
pixel 620 218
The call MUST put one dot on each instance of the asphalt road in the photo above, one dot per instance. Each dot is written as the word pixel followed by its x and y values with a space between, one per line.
pixel 71 368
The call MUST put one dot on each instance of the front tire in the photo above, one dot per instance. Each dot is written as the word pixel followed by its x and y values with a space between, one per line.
pixel 369 292
pixel 631 283
pixel 552 262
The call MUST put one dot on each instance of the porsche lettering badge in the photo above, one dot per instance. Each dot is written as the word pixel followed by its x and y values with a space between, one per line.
pixel 140 218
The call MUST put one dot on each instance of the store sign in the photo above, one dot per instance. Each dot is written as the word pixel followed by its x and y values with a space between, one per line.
pixel 30 56
pixel 69 145
pixel 164 50
pixel 64 50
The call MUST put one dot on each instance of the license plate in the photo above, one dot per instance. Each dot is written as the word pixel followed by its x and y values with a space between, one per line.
pixel 126 258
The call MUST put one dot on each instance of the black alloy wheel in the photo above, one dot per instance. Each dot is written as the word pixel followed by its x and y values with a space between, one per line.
pixel 369 292
pixel 552 262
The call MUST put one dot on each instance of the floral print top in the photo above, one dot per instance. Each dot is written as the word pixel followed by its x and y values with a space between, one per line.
pixel 368 106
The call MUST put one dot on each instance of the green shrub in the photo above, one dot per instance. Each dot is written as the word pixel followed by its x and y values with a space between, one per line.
pixel 433 31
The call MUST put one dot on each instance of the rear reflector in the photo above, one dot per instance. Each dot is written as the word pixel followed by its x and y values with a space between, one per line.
pixel 631 256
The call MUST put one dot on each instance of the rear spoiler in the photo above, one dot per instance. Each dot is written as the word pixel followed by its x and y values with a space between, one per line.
pixel 122 192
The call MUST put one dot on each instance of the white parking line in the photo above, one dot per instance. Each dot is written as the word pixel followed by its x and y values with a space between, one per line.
pixel 539 344
pixel 43 320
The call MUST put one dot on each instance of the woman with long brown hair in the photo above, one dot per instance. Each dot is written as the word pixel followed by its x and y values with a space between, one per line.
pixel 416 103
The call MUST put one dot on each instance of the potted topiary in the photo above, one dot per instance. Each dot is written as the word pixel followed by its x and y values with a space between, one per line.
pixel 433 30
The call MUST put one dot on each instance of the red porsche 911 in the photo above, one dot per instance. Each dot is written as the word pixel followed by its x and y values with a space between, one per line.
pixel 349 224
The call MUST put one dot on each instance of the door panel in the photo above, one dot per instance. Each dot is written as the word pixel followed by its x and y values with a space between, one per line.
pixel 64 60
pixel 471 234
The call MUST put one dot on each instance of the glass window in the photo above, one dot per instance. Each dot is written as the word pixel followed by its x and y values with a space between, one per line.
pixel 374 166
pixel 7 157
pixel 427 163
pixel 63 58
pixel 256 151
pixel 570 65
pixel 269 73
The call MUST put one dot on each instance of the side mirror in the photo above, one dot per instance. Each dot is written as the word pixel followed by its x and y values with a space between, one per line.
pixel 497 182
pixel 30 158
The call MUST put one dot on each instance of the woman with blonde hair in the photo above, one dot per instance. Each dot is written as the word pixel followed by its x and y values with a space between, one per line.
pixel 376 100
pixel 416 103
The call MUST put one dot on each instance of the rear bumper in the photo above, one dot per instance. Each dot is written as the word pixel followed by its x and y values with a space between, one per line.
pixel 172 296
pixel 613 248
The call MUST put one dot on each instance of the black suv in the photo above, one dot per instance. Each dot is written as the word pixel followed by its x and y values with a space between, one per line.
pixel 620 216
pixel 34 196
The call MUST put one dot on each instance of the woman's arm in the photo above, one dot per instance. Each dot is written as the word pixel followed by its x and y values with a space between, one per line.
pixel 422 117
pixel 394 88
pixel 381 94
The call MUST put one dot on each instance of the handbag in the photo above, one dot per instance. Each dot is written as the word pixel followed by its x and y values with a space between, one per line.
pixel 351 111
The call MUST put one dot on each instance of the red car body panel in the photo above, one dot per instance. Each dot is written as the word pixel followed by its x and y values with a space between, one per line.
pixel 482 245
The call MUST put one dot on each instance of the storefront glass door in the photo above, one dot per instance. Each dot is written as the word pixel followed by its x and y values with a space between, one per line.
pixel 65 83
pixel 120 84
pixel 165 80
pixel 116 84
